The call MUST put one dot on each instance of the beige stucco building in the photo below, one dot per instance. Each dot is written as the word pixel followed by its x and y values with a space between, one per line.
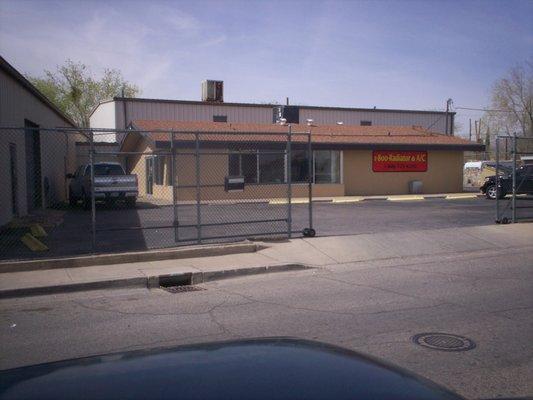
pixel 347 160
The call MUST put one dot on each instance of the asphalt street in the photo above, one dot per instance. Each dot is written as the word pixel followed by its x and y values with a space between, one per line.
pixel 373 307
pixel 117 226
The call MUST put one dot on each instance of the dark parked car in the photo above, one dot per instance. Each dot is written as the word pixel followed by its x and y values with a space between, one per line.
pixel 524 183
pixel 271 368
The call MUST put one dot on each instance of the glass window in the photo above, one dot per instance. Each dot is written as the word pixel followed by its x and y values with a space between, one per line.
pixel 159 169
pixel 327 166
pixel 105 169
pixel 366 123
pixel 299 166
pixel 234 167
pixel 220 118
pixel 249 167
pixel 271 166
pixel 243 164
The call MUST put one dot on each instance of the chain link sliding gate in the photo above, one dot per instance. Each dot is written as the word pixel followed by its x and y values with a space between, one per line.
pixel 108 190
pixel 514 179
pixel 201 187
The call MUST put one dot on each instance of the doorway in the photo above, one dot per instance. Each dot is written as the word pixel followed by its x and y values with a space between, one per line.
pixel 149 175
pixel 34 195
pixel 14 178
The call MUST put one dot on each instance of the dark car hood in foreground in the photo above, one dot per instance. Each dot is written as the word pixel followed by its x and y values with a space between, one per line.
pixel 277 368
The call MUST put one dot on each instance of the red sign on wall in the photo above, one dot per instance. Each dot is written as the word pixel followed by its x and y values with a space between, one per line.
pixel 399 161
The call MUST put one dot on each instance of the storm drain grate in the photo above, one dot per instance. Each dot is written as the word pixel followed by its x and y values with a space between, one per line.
pixel 444 341
pixel 182 288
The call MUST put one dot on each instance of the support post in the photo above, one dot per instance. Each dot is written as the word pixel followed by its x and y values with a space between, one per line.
pixel 172 169
pixel 198 197
pixel 310 180
pixel 93 200
pixel 498 141
pixel 289 181
pixel 513 200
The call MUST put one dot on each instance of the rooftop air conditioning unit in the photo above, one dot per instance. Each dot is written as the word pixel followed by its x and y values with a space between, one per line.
pixel 213 91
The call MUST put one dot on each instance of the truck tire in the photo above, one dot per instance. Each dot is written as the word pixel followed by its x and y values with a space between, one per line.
pixel 86 202
pixel 72 200
pixel 490 192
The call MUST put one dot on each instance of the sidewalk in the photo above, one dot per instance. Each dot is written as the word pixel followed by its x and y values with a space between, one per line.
pixel 288 255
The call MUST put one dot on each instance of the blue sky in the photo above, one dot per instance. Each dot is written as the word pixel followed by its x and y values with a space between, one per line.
pixel 389 54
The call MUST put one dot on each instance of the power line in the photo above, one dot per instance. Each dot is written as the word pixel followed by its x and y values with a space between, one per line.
pixel 481 109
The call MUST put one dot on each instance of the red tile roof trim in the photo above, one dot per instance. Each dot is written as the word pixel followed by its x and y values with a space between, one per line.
pixel 341 135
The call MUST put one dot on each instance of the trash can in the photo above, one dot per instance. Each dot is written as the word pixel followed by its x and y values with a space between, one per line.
pixel 415 187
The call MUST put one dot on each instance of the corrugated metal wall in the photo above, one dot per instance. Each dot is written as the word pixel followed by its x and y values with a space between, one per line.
pixel 137 110
pixel 433 121
pixel 154 110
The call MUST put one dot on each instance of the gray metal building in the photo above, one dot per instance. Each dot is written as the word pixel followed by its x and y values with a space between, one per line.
pixel 120 112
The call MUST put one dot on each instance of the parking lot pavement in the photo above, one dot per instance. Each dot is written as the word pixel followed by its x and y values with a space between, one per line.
pixel 118 227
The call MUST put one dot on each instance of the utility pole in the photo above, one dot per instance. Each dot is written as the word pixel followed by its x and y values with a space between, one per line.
pixel 448 104
pixel 470 129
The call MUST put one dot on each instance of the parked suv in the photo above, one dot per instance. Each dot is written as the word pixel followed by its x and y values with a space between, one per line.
pixel 110 184
pixel 524 183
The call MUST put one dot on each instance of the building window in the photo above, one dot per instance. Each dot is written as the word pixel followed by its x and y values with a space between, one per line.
pixel 299 166
pixel 271 166
pixel 366 123
pixel 220 118
pixel 243 164
pixel 327 166
pixel 159 170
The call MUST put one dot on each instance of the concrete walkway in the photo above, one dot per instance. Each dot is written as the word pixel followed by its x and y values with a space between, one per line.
pixel 312 252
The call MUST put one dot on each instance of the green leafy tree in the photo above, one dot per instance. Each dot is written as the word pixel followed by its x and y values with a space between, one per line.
pixel 75 92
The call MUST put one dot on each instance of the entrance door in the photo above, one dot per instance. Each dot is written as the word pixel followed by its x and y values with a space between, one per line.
pixel 14 178
pixel 149 175
pixel 33 166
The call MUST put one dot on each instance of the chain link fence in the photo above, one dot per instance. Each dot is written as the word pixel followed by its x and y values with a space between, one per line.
pixel 73 192
pixel 512 186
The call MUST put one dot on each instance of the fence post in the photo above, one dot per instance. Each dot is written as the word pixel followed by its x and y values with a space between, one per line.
pixel 93 200
pixel 498 178
pixel 198 198
pixel 289 181
pixel 175 222
pixel 514 179
pixel 310 183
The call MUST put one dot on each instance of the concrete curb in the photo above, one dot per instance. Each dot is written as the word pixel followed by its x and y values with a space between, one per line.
pixel 178 279
pixel 124 258
pixel 357 199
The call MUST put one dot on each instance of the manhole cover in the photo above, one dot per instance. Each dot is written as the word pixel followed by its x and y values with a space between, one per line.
pixel 444 341
pixel 182 288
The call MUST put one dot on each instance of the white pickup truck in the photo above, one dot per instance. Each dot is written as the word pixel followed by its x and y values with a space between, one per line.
pixel 110 184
